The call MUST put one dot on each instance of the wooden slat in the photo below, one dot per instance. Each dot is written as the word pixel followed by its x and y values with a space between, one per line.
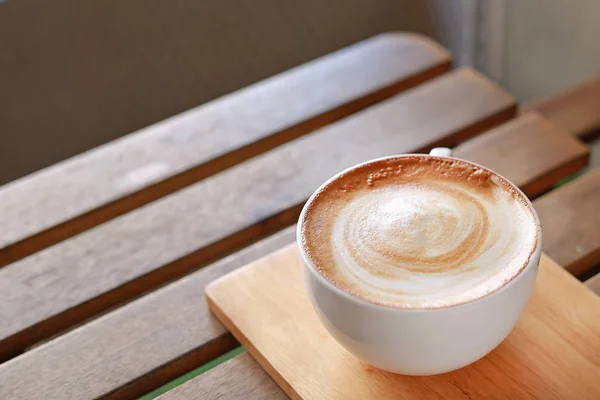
pixel 570 218
pixel 530 151
pixel 129 255
pixel 73 196
pixel 594 284
pixel 577 110
pixel 136 348
pixel 238 378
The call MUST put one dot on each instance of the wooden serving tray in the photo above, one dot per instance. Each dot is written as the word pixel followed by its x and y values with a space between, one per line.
pixel 553 353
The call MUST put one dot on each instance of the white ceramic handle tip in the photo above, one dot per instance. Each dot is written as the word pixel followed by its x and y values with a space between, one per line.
pixel 441 152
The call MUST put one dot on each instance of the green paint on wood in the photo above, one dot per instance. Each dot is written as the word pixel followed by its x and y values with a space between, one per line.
pixel 192 374
pixel 568 179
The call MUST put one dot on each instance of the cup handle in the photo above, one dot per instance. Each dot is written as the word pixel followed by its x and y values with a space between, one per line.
pixel 441 152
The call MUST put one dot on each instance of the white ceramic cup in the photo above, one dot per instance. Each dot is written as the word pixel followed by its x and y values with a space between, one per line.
pixel 420 341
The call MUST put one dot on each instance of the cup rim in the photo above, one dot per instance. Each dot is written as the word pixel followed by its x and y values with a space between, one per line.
pixel 533 256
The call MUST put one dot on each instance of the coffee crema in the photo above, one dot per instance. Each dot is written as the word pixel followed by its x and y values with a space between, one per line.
pixel 419 231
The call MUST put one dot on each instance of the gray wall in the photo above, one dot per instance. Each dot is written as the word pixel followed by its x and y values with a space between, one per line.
pixel 549 45
pixel 77 73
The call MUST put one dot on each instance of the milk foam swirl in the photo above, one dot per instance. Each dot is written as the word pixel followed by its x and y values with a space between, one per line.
pixel 419 240
pixel 416 229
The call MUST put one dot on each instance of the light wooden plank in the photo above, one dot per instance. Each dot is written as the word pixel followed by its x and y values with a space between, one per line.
pixel 238 378
pixel 242 375
pixel 577 109
pixel 553 352
pixel 594 284
pixel 531 152
pixel 67 283
pixel 571 219
pixel 73 196
pixel 137 348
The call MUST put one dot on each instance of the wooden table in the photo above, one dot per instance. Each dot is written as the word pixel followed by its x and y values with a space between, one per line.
pixel 104 257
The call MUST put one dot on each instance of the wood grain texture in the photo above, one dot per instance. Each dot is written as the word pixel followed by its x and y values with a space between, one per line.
pixel 594 284
pixel 127 256
pixel 553 352
pixel 238 378
pixel 73 196
pixel 184 296
pixel 577 110
pixel 137 348
pixel 175 323
pixel 570 221
pixel 531 152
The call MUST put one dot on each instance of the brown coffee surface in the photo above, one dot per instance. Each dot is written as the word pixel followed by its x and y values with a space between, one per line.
pixel 419 231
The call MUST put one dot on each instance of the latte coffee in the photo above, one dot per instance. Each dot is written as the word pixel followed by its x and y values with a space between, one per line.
pixel 418 231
